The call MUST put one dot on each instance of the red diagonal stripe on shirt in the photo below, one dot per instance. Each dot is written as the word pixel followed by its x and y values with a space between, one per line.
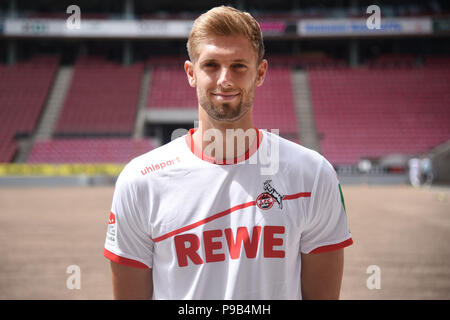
pixel 224 213
pixel 297 195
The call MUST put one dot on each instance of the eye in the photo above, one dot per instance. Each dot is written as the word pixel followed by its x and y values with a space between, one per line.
pixel 239 66
pixel 210 65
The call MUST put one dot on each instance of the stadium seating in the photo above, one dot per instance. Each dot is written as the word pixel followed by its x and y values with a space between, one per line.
pixel 274 106
pixel 167 61
pixel 23 92
pixel 83 150
pixel 8 146
pixel 393 60
pixel 437 61
pixel 367 112
pixel 375 112
pixel 169 88
pixel 313 60
pixel 102 98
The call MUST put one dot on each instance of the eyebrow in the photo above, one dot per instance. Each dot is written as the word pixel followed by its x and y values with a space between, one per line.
pixel 233 61
pixel 241 60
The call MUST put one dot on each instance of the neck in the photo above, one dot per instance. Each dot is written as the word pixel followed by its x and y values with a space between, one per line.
pixel 224 140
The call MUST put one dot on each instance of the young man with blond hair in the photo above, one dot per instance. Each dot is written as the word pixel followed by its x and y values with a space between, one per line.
pixel 233 211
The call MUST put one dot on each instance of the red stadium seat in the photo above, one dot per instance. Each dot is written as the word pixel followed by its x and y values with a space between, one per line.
pixel 24 88
pixel 437 61
pixel 393 60
pixel 169 89
pixel 374 112
pixel 99 150
pixel 274 106
pixel 102 98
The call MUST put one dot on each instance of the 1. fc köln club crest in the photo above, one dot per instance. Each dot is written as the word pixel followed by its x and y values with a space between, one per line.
pixel 266 199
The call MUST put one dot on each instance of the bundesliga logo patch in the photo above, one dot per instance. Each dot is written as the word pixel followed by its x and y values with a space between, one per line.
pixel 111 233
pixel 266 199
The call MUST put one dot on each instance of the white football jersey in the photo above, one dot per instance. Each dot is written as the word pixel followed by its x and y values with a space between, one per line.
pixel 226 231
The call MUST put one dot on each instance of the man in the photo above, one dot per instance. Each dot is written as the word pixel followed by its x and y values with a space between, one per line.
pixel 199 218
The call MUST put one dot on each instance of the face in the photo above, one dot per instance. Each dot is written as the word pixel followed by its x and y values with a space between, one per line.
pixel 225 74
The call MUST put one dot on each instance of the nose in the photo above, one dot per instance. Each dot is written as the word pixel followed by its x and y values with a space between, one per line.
pixel 224 79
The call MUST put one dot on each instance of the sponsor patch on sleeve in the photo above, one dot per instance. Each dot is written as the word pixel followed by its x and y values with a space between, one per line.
pixel 111 233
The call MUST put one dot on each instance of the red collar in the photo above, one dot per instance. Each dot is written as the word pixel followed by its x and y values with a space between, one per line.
pixel 198 152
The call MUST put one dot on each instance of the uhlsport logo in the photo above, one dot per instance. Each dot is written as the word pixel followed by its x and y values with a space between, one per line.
pixel 266 199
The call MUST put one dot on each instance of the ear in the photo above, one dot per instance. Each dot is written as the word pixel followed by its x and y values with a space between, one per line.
pixel 189 69
pixel 262 69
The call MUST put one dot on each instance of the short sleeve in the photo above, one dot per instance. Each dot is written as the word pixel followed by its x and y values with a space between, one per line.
pixel 326 226
pixel 128 240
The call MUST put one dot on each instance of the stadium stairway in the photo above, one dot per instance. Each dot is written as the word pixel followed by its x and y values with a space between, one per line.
pixel 50 113
pixel 305 115
pixel 23 149
pixel 55 102
pixel 141 112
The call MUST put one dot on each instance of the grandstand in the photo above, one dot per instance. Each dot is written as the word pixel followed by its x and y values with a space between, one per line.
pixel 102 99
pixel 371 113
pixel 23 91
pixel 362 99
pixel 168 88
pixel 92 150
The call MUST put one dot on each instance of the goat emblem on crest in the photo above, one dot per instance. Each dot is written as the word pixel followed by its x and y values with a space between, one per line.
pixel 266 199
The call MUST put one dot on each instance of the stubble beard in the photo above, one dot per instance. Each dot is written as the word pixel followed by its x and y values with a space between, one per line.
pixel 225 112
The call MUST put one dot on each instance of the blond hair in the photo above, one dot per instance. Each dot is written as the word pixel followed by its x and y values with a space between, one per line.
pixel 225 21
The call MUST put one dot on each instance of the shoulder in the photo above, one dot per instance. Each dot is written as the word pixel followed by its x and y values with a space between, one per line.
pixel 292 153
pixel 157 159
pixel 299 162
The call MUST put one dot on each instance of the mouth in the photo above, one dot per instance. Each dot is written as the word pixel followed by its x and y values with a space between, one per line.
pixel 225 96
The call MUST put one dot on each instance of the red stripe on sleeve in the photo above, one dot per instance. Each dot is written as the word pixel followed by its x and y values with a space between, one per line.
pixel 124 261
pixel 333 247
